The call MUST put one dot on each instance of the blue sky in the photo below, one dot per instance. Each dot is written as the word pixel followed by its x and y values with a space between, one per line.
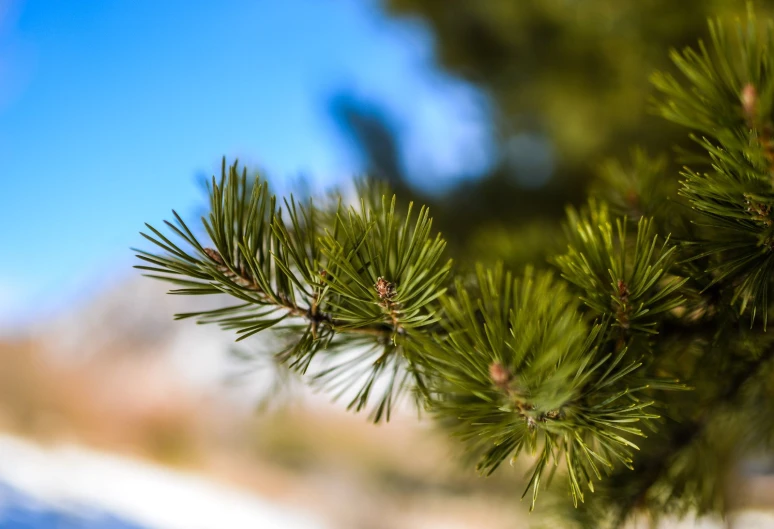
pixel 109 109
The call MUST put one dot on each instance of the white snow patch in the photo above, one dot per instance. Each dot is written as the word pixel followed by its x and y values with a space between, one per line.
pixel 148 495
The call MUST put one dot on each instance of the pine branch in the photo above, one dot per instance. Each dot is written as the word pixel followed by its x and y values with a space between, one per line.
pixel 726 95
pixel 625 281
pixel 577 369
pixel 521 371
pixel 363 278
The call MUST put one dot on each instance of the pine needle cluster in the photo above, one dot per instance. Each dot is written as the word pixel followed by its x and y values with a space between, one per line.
pixel 636 364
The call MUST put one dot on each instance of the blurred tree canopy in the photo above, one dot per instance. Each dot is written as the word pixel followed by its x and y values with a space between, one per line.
pixel 574 75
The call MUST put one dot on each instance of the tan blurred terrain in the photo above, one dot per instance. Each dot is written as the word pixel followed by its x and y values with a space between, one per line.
pixel 111 386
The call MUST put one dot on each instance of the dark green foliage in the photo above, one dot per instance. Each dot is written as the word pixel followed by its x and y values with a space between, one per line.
pixel 638 372
pixel 640 187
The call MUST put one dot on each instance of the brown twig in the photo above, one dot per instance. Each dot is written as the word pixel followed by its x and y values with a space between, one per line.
pixel 311 313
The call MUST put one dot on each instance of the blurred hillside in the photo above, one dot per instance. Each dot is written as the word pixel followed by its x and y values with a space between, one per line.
pixel 145 386
pixel 158 391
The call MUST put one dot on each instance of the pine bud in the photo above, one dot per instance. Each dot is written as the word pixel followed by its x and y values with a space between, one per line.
pixel 623 291
pixel 214 255
pixel 553 414
pixel 500 374
pixel 385 289
pixel 749 100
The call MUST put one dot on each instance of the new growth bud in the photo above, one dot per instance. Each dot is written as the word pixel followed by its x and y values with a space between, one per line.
pixel 214 255
pixel 385 289
pixel 500 374
pixel 749 101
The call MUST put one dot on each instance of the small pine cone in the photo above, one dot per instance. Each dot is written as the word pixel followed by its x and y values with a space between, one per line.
pixel 500 375
pixel 385 289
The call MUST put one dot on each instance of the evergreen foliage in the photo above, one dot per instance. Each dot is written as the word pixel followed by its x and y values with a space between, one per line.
pixel 638 368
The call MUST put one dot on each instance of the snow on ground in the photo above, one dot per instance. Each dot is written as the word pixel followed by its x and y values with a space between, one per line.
pixel 69 477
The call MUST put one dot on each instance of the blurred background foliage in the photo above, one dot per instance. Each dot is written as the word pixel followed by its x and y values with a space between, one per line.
pixel 567 89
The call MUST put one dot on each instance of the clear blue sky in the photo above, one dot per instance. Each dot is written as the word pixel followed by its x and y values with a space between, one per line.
pixel 108 110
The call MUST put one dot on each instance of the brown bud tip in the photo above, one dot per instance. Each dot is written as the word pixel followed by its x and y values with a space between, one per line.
pixel 623 290
pixel 214 255
pixel 749 100
pixel 385 289
pixel 500 374
pixel 323 273
pixel 531 424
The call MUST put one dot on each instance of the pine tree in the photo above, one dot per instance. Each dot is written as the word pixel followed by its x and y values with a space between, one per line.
pixel 636 365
